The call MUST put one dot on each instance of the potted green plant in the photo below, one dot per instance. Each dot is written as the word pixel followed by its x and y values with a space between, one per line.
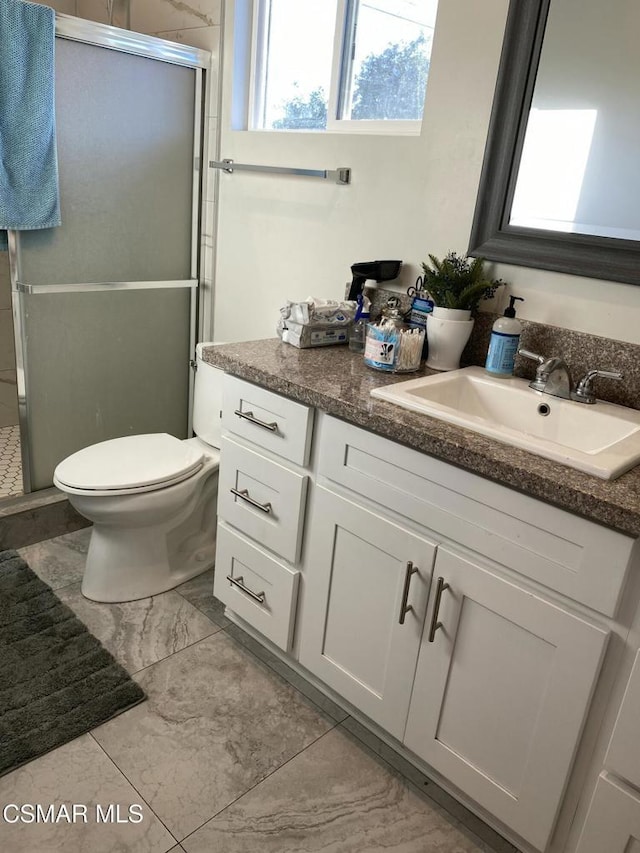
pixel 456 285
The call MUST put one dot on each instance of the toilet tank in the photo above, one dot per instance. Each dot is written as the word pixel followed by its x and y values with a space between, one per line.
pixel 207 400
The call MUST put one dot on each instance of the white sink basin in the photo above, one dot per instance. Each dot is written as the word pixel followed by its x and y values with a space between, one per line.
pixel 601 439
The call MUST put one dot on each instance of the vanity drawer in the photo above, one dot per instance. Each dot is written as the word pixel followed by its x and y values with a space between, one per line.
pixel 263 592
pixel 267 419
pixel 577 558
pixel 262 498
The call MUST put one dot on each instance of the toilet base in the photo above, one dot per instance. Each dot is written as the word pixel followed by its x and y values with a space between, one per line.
pixel 126 565
pixel 145 544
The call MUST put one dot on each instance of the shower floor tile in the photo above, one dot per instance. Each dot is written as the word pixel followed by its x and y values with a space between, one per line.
pixel 10 462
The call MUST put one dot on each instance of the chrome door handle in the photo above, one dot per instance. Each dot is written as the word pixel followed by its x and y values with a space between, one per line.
pixel 249 416
pixel 244 494
pixel 440 588
pixel 239 582
pixel 404 607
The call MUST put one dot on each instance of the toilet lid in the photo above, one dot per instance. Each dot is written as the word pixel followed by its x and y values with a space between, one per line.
pixel 132 462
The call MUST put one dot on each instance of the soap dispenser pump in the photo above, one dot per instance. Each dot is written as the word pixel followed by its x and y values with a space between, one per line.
pixel 503 346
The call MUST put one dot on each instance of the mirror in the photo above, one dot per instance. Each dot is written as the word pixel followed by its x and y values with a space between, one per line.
pixel 560 181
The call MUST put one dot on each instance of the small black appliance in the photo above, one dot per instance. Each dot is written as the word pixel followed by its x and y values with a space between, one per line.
pixel 372 270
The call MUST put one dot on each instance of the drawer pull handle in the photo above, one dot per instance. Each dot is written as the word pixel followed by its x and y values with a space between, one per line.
pixel 440 588
pixel 249 416
pixel 244 494
pixel 239 582
pixel 404 607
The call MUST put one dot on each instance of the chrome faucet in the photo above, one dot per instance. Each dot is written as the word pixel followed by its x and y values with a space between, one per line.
pixel 553 377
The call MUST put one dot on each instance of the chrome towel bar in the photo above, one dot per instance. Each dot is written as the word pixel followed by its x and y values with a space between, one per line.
pixel 341 175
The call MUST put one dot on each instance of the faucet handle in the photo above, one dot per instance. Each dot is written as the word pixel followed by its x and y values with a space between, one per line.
pixel 540 382
pixel 532 355
pixel 584 392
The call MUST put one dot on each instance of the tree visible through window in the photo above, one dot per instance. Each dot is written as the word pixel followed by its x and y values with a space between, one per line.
pixel 391 84
pixel 304 113
pixel 384 49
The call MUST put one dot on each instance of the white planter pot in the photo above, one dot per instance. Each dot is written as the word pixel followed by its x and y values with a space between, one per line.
pixel 451 313
pixel 447 337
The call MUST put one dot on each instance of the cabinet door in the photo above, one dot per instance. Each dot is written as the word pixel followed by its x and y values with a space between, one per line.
pixel 624 750
pixel 501 692
pixel 361 573
pixel 613 821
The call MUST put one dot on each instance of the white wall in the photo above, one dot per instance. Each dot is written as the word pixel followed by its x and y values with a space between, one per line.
pixel 281 238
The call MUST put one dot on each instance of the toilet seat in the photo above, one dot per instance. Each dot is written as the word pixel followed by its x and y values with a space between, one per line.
pixel 129 465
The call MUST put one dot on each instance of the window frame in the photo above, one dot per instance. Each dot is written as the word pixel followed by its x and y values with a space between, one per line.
pixel 346 18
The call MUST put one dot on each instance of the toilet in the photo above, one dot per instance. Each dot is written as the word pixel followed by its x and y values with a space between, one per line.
pixel 152 500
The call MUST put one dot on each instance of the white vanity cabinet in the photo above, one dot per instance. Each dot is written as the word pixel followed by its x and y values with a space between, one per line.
pixel 489 679
pixel 503 677
pixel 465 619
pixel 262 492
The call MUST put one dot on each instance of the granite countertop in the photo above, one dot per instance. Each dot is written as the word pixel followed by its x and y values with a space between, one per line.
pixel 338 382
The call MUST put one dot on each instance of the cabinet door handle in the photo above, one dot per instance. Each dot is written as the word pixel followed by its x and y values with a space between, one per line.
pixel 404 607
pixel 244 494
pixel 249 416
pixel 239 582
pixel 440 588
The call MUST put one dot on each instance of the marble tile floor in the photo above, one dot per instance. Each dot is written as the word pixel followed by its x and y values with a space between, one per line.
pixel 10 462
pixel 231 752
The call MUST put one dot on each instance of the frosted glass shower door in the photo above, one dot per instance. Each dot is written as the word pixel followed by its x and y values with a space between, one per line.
pixel 105 305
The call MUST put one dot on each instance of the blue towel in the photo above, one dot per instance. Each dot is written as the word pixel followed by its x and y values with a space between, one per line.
pixel 28 162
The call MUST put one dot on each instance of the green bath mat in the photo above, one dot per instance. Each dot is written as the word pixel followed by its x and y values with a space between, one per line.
pixel 57 680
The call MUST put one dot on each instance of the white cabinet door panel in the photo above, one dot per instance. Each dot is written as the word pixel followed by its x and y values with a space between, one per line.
pixel 501 694
pixel 356 577
pixel 613 821
pixel 624 750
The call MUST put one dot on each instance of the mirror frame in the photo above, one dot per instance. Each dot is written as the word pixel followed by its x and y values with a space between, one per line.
pixel 491 235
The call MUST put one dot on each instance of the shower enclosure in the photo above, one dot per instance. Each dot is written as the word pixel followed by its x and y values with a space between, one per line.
pixel 106 307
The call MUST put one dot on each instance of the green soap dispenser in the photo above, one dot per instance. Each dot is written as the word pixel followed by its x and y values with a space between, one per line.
pixel 503 345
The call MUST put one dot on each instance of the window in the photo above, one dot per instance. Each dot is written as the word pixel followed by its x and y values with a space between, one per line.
pixel 356 65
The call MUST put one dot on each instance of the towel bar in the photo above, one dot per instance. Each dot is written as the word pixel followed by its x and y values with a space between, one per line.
pixel 341 175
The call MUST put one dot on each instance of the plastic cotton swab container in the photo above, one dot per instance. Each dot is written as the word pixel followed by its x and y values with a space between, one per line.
pixel 410 350
pixel 393 347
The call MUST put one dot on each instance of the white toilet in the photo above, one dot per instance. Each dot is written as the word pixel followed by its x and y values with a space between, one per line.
pixel 152 500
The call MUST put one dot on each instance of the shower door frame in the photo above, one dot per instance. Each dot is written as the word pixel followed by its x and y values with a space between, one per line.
pixel 150 47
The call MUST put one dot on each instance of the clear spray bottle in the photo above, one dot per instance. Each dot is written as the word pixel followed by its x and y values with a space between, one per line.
pixel 358 331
